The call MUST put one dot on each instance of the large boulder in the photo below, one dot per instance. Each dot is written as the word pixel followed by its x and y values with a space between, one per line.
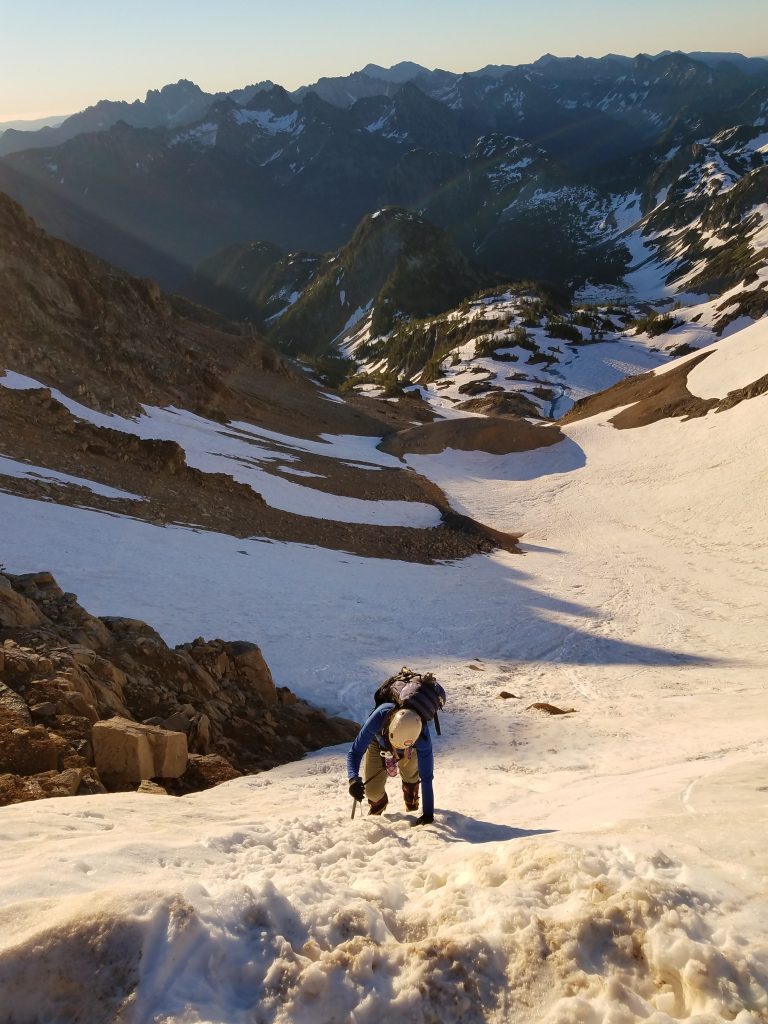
pixel 128 752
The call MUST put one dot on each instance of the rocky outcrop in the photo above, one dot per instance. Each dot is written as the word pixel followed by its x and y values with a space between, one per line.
pixel 90 704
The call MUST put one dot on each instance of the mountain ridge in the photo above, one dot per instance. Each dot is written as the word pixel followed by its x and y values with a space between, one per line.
pixel 162 199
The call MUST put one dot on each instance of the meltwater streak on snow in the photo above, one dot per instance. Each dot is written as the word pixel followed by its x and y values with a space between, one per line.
pixel 213 448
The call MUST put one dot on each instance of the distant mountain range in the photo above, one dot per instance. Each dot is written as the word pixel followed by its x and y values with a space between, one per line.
pixel 33 124
pixel 523 167
pixel 184 102
pixel 170 106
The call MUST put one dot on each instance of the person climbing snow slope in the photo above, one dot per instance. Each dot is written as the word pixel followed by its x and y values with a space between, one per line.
pixel 393 740
pixel 396 739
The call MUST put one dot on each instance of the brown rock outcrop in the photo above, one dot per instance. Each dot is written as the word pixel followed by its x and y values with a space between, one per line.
pixel 89 703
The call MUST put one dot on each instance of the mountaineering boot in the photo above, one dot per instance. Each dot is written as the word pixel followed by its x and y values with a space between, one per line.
pixel 411 795
pixel 378 806
pixel 425 819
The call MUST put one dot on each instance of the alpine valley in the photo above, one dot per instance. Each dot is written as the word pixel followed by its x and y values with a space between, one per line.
pixel 467 372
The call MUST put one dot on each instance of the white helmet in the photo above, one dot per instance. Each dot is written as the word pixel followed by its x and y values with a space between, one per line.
pixel 404 728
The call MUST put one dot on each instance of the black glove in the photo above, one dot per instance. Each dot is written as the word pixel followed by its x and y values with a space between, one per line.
pixel 425 819
pixel 356 788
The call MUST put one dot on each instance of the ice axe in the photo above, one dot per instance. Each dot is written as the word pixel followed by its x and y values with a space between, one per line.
pixel 374 776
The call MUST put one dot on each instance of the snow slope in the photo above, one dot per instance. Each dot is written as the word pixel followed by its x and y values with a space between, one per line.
pixel 603 866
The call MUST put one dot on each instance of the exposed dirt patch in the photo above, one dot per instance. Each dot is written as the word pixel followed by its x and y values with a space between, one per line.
pixel 479 387
pixel 494 434
pixel 354 478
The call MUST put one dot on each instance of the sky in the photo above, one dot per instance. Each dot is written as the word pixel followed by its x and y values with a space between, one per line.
pixel 60 57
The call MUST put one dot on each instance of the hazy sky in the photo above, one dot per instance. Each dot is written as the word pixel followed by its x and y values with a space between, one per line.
pixel 59 56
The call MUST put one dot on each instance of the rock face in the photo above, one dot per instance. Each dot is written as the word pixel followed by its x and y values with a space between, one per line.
pixel 89 704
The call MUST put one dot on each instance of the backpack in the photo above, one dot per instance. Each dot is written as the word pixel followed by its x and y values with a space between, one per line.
pixel 419 693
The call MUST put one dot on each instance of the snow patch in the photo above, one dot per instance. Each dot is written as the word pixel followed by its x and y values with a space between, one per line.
pixel 25 471
pixel 269 122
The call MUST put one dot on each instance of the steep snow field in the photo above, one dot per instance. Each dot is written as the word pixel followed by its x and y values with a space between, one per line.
pixel 601 867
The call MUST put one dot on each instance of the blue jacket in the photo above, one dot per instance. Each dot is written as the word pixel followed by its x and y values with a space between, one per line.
pixel 373 730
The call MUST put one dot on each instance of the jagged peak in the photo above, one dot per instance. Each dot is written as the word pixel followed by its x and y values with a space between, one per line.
pixel 183 86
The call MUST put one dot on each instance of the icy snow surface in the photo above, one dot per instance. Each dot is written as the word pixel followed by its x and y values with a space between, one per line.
pixel 601 867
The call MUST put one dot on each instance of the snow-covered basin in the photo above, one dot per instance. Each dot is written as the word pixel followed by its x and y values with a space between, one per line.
pixel 605 866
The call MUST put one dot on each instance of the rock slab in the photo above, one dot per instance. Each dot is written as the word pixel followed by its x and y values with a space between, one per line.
pixel 127 753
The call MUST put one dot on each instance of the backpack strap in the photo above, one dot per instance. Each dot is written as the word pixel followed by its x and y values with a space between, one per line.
pixel 437 725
